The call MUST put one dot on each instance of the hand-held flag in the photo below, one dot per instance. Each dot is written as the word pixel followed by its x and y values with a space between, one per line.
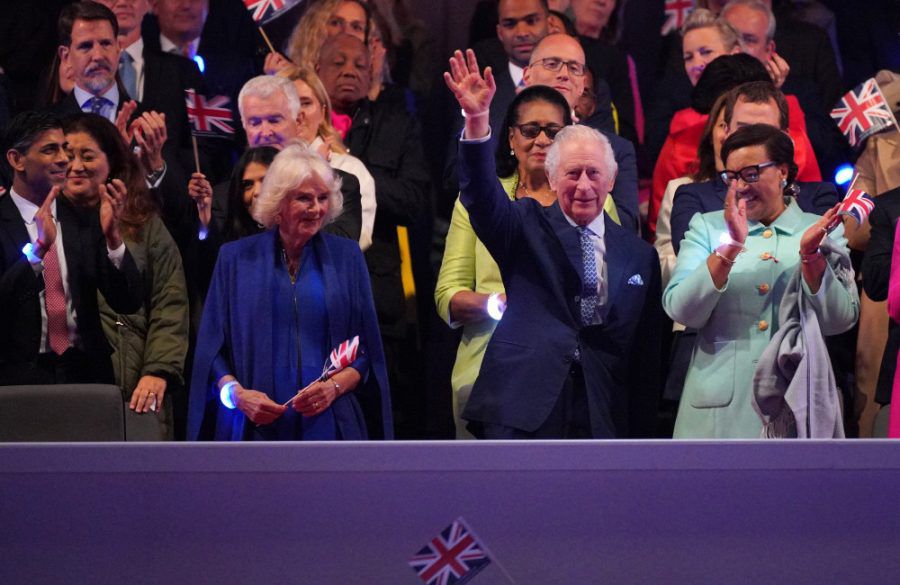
pixel 863 111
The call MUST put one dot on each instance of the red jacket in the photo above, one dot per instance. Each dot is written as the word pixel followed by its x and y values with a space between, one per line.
pixel 678 156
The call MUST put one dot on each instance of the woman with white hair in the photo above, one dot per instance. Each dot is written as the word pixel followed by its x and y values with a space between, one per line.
pixel 278 303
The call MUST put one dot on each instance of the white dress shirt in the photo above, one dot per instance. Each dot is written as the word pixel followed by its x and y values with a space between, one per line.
pixel 517 73
pixel 169 46
pixel 27 210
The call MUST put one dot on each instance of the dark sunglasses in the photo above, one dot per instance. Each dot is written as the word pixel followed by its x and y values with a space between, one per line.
pixel 532 130
pixel 747 174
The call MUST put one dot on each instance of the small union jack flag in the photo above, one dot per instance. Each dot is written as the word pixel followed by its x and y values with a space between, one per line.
pixel 863 111
pixel 265 11
pixel 210 117
pixel 857 204
pixel 341 357
pixel 677 12
pixel 452 557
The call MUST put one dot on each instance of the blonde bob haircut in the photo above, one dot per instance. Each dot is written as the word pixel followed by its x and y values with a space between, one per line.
pixel 325 131
pixel 703 18
pixel 291 168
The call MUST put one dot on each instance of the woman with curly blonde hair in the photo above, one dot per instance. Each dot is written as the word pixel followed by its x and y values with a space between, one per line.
pixel 324 19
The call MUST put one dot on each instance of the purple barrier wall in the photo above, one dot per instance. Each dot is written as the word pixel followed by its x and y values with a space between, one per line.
pixel 561 512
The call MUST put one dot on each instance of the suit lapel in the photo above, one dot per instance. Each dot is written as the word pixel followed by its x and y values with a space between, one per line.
pixel 12 222
pixel 617 261
pixel 568 237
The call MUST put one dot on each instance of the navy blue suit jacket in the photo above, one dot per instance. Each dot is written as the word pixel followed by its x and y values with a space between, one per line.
pixel 710 196
pixel 531 351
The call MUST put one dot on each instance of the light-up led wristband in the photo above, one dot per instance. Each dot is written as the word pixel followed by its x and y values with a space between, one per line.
pixel 725 239
pixel 202 233
pixel 226 395
pixel 30 251
pixel 493 307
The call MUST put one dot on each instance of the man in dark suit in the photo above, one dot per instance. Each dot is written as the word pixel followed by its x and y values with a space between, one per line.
pixel 561 48
pixel 576 354
pixel 180 27
pixel 53 261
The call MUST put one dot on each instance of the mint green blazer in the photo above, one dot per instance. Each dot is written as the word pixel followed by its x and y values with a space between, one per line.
pixel 736 323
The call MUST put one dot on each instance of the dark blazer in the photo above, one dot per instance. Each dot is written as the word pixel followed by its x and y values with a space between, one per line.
pixel 89 270
pixel 710 196
pixel 532 349
pixel 388 141
pixel 876 272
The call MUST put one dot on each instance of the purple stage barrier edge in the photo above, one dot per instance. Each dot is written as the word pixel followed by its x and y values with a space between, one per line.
pixel 551 512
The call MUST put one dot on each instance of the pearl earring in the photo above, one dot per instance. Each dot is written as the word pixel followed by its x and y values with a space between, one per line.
pixel 512 152
pixel 783 183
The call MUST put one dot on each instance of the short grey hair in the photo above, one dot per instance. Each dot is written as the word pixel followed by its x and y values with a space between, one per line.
pixel 703 18
pixel 291 167
pixel 264 87
pixel 759 7
pixel 580 133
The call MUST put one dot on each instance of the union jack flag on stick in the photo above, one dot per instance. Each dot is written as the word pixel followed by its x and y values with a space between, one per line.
pixel 863 111
pixel 265 11
pixel 857 204
pixel 677 12
pixel 453 557
pixel 210 117
pixel 341 357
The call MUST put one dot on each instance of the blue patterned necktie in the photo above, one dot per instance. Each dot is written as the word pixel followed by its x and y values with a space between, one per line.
pixel 96 104
pixel 128 74
pixel 590 281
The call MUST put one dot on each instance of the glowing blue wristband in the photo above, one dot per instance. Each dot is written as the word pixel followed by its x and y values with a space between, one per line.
pixel 29 251
pixel 493 307
pixel 202 233
pixel 226 395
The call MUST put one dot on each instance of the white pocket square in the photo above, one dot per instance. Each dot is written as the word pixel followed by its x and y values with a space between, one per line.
pixel 636 280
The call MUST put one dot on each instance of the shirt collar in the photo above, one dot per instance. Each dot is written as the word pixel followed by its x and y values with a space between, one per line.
pixel 136 50
pixel 516 73
pixel 112 94
pixel 168 46
pixel 26 208
pixel 596 227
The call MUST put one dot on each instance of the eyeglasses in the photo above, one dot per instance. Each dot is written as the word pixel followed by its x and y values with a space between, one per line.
pixel 532 130
pixel 747 174
pixel 554 64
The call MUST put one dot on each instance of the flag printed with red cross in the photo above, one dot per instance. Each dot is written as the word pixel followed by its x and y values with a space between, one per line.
pixel 265 11
pixel 210 117
pixel 863 111
pixel 677 12
pixel 452 557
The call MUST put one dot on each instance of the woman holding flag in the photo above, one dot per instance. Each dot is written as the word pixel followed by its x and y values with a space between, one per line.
pixel 278 303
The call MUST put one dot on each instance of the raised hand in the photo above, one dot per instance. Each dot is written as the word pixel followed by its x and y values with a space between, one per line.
pixel 45 223
pixel 122 118
pixel 112 200
pixel 150 134
pixel 778 69
pixel 201 192
pixel 736 214
pixel 814 234
pixel 473 92
pixel 275 62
